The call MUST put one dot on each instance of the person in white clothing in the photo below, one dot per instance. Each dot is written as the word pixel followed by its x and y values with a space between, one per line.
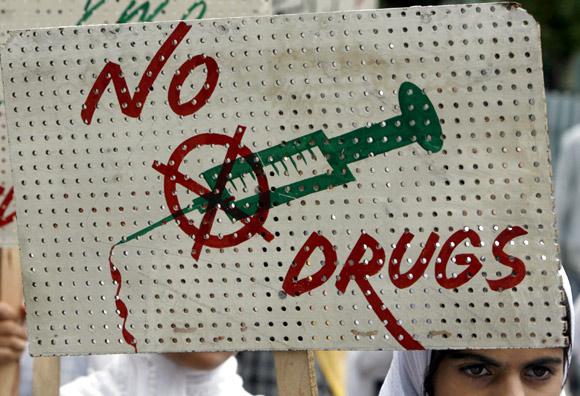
pixel 181 374
pixel 567 195
pixel 493 372
pixel 170 374
pixel 365 372
pixel 574 380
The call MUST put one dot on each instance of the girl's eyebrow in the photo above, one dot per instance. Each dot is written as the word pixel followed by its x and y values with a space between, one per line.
pixel 461 355
pixel 546 361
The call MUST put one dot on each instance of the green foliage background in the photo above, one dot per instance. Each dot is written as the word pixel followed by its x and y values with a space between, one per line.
pixel 560 23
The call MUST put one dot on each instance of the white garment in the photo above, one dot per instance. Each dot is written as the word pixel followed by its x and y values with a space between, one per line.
pixel 407 374
pixel 567 196
pixel 576 349
pixel 154 374
pixel 365 370
pixel 408 369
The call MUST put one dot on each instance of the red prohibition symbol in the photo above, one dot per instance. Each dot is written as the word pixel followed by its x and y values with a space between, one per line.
pixel 215 199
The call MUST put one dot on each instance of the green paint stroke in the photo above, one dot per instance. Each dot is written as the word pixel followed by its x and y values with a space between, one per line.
pixel 130 12
pixel 135 12
pixel 89 9
pixel 157 224
pixel 418 123
pixel 201 12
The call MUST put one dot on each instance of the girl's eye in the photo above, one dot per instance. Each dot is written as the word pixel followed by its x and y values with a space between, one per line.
pixel 476 371
pixel 538 372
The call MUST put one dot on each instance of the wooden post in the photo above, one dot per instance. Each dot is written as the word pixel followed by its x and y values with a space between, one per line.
pixel 11 293
pixel 46 376
pixel 295 373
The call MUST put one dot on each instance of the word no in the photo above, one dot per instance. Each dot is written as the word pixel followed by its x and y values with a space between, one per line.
pixel 132 105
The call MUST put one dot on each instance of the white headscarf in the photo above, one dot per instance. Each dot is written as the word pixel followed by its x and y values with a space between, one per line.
pixel 407 374
pixel 408 369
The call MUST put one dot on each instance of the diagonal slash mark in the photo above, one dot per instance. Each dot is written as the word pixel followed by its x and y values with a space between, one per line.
pixel 203 193
pixel 211 212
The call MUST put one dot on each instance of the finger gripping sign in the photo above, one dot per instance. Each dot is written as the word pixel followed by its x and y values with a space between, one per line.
pixel 359 180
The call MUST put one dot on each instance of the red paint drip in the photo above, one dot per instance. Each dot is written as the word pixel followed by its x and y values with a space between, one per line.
pixel 5 220
pixel 401 335
pixel 121 307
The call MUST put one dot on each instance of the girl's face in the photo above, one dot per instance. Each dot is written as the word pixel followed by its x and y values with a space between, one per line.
pixel 505 372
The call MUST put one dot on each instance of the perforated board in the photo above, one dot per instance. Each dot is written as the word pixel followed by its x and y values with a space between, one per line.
pixel 18 14
pixel 176 218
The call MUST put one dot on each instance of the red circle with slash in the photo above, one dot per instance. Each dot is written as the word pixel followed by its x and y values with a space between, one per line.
pixel 252 224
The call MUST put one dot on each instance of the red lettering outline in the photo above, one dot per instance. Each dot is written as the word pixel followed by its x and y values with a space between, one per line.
pixel 355 270
pixel 409 278
pixel 132 106
pixel 474 265
pixel 519 269
pixel 190 107
pixel 294 287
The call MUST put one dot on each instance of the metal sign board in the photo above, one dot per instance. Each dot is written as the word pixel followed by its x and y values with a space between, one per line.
pixel 352 180
pixel 19 14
